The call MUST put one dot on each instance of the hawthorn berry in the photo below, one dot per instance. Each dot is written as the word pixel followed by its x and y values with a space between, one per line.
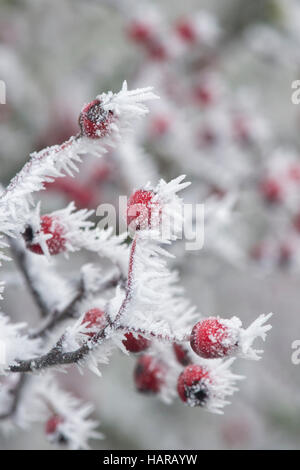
pixel 142 210
pixel 271 190
pixel 285 254
pixel 139 32
pixel 53 431
pixel 181 353
pixel 212 338
pixel 148 374
pixel 49 226
pixel 94 121
pixel 192 385
pixel 186 31
pixel 136 344
pixel 94 319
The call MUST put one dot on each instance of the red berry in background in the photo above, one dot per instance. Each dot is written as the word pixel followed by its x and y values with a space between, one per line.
pixel 192 385
pixel 142 210
pixel 296 222
pixel 94 121
pixel 186 31
pixel 271 190
pixel 52 429
pixel 181 353
pixel 157 51
pixel 204 95
pixel 139 31
pixel 136 344
pixel 148 374
pixel 211 339
pixel 294 172
pixel 285 254
pixel 258 251
pixel 160 125
pixel 49 225
pixel 94 319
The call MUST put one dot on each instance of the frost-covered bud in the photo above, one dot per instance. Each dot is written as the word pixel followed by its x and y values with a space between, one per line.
pixel 56 241
pixel 215 337
pixel 181 353
pixel 143 211
pixel 136 344
pixel 192 385
pixel 94 121
pixel 149 374
pixel 94 320
pixel 53 430
pixel 271 190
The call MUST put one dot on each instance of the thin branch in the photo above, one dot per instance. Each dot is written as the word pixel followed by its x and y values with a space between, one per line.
pixel 20 258
pixel 69 311
pixel 16 395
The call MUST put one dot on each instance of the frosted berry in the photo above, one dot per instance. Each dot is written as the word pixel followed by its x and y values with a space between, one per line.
pixel 186 31
pixel 181 353
pixel 94 121
pixel 192 385
pixel 142 210
pixel 52 226
pixel 148 374
pixel 94 319
pixel 271 190
pixel 211 339
pixel 135 344
pixel 53 431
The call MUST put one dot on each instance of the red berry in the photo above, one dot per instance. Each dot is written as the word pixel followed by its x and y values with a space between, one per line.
pixel 294 172
pixel 204 95
pixel 211 338
pixel 285 254
pixel 186 31
pixel 94 121
pixel 157 50
pixel 95 319
pixel 53 430
pixel 49 225
pixel 148 374
pixel 53 423
pixel 271 190
pixel 258 251
pixel 141 210
pixel 160 125
pixel 135 344
pixel 139 32
pixel 181 353
pixel 296 222
pixel 192 385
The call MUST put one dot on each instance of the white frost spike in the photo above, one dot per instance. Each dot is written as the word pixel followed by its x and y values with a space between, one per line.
pixel 221 384
pixel 129 102
pixel 257 329
pixel 14 344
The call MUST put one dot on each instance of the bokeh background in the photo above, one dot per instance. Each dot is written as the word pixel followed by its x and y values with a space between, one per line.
pixel 227 121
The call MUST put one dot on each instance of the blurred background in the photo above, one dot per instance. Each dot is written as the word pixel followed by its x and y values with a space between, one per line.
pixel 224 71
